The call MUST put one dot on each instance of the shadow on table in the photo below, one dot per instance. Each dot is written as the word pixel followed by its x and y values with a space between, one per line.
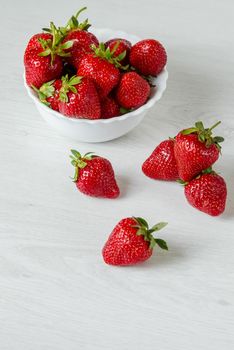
pixel 227 172
pixel 172 257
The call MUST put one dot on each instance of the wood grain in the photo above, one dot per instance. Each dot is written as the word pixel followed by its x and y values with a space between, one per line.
pixel 55 291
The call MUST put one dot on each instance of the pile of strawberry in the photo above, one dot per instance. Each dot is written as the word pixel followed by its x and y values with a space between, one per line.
pixel 188 159
pixel 81 78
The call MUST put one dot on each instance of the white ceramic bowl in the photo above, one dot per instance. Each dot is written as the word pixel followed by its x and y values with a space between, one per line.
pixel 102 129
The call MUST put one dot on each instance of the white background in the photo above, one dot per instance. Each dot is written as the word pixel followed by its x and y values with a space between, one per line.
pixel 55 291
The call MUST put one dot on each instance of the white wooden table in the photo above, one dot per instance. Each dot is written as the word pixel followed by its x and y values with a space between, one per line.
pixel 55 291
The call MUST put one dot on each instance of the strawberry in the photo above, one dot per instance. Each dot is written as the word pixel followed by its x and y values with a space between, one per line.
pixel 82 43
pixel 148 57
pixel 161 164
pixel 119 45
pixel 34 41
pixel 196 150
pixel 78 98
pixel 207 193
pixel 82 39
pixel 43 61
pixel 102 67
pixel 94 175
pixel 132 242
pixel 49 93
pixel 132 91
pixel 109 108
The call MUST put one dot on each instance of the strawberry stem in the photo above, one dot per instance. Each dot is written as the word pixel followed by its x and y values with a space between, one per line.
pixel 205 135
pixel 79 11
pixel 214 126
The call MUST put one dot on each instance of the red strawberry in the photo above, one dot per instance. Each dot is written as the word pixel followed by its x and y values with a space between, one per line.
pixel 43 62
pixel 34 42
pixel 148 57
pixel 119 46
pixel 81 46
pixel 102 67
pixel 94 175
pixel 132 91
pixel 161 164
pixel 109 108
pixel 82 39
pixel 49 93
pixel 78 98
pixel 131 242
pixel 40 69
pixel 208 193
pixel 196 150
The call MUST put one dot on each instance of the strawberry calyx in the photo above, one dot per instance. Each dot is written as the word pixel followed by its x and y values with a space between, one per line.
pixel 79 162
pixel 68 84
pixel 45 91
pixel 205 135
pixel 125 110
pixel 205 171
pixel 73 24
pixel 149 78
pixel 146 232
pixel 108 55
pixel 55 47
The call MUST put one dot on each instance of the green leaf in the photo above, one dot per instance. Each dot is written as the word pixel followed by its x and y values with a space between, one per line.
pixel 63 96
pixel 45 53
pixel 67 45
pixel 64 54
pixel 159 226
pixel 126 68
pixel 188 131
pixel 124 110
pixel 140 232
pixel 208 171
pixel 48 89
pixel 115 47
pixel 182 182
pixel 152 244
pixel 142 222
pixel 75 80
pixel 73 89
pixel 161 243
pixel 121 55
pixel 73 162
pixel 202 137
pixel 102 46
pixel 76 174
pixel 108 53
pixel 75 21
pixel 46 30
pixel 218 139
pixel 89 155
pixel 81 164
pixel 199 125
pixel 76 153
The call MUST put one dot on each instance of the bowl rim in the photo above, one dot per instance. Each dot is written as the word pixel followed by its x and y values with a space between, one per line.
pixel 158 92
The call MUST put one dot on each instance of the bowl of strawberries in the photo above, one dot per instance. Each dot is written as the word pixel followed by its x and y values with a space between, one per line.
pixel 93 85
